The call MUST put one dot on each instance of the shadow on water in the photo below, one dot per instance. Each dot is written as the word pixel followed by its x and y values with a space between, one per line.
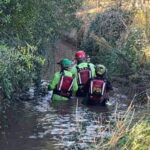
pixel 38 125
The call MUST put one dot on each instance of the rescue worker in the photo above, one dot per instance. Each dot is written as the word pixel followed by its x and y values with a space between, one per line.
pixel 83 71
pixel 98 87
pixel 63 84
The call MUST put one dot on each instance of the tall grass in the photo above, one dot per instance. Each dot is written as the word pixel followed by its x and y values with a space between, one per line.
pixel 131 131
pixel 128 130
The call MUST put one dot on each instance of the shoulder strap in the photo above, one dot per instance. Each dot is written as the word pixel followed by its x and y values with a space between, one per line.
pixel 62 73
pixel 78 69
pixel 89 66
pixel 90 70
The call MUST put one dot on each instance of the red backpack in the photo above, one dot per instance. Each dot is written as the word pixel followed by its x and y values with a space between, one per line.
pixel 97 87
pixel 84 74
pixel 65 85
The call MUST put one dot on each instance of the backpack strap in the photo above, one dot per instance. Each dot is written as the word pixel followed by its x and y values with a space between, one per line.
pixel 90 70
pixel 89 66
pixel 62 72
pixel 91 87
pixel 78 69
pixel 61 79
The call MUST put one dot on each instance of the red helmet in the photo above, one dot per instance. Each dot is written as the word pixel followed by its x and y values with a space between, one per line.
pixel 80 55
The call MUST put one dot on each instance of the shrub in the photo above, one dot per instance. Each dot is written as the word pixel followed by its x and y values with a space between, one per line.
pixel 130 52
pixel 139 136
pixel 17 68
pixel 113 42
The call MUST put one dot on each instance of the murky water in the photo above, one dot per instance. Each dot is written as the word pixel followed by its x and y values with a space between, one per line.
pixel 39 125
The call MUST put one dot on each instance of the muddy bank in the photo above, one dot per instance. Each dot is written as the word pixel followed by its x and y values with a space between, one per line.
pixel 135 87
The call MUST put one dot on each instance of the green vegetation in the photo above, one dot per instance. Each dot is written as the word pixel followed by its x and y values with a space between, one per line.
pixel 128 131
pixel 117 36
pixel 34 21
pixel 139 137
pixel 103 35
pixel 17 68
pixel 25 23
pixel 116 39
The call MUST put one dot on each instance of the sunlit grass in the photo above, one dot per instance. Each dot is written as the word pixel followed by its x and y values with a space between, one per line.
pixel 94 6
pixel 89 11
pixel 139 136
pixel 130 131
pixel 146 51
pixel 120 128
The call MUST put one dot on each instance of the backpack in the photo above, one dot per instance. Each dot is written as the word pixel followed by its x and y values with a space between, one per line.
pixel 84 74
pixel 64 86
pixel 97 88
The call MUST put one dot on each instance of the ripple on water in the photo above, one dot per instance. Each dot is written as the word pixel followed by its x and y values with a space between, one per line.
pixel 73 126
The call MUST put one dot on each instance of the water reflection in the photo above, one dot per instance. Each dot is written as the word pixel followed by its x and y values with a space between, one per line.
pixel 71 124
pixel 41 125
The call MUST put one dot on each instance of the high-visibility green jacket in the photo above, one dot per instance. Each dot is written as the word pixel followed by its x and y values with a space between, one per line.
pixel 83 65
pixel 55 81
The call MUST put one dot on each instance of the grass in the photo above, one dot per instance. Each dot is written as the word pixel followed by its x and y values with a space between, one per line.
pixel 131 131
pixel 127 130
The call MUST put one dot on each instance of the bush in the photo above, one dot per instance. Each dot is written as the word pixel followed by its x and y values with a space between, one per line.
pixel 17 68
pixel 139 136
pixel 103 34
pixel 111 24
pixel 113 42
pixel 33 21
pixel 129 54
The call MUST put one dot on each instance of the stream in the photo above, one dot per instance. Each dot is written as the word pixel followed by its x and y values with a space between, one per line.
pixel 40 125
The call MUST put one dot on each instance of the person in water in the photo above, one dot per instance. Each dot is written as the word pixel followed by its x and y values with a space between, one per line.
pixel 64 83
pixel 83 71
pixel 97 88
